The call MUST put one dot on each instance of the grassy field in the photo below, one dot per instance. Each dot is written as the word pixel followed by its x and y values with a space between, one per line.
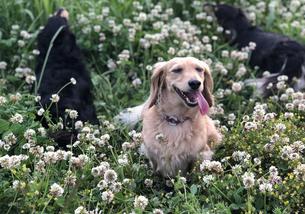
pixel 259 168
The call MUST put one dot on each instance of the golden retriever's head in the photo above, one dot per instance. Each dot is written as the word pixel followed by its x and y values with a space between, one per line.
pixel 187 80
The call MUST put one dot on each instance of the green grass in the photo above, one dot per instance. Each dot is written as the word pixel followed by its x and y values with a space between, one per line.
pixel 25 186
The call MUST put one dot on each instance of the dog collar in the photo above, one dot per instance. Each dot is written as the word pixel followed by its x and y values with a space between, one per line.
pixel 174 121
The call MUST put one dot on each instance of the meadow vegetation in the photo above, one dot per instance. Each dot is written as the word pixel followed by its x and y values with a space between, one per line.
pixel 259 168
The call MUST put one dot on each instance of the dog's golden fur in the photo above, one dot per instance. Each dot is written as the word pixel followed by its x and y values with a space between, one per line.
pixel 173 148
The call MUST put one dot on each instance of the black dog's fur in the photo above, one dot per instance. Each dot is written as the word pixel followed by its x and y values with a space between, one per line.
pixel 275 53
pixel 64 62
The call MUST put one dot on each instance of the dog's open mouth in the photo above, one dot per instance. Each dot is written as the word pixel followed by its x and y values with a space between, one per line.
pixel 193 99
pixel 188 97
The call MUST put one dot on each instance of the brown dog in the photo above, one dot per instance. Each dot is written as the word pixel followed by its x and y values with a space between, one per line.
pixel 176 128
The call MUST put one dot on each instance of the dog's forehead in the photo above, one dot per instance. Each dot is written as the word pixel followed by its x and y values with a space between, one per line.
pixel 186 62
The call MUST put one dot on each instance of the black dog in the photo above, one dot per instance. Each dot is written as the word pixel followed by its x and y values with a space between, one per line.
pixel 65 61
pixel 275 53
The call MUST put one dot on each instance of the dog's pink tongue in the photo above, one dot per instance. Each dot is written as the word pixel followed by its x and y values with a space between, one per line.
pixel 203 104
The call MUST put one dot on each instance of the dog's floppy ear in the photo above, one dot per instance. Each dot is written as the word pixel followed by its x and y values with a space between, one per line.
pixel 157 82
pixel 208 87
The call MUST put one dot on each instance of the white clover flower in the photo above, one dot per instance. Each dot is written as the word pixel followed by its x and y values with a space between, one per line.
pixel 25 34
pixel 56 190
pixel 15 27
pixel 136 82
pixel 148 182
pixel 282 78
pixel 252 45
pixel 158 211
pixel 286 152
pixel 123 160
pixel 288 115
pixel 16 184
pixel 10 139
pixel 250 126
pixel 3 100
pixel 142 17
pixel 171 51
pixel 140 202
pixel 15 97
pixel 248 180
pixel 107 196
pixel 73 81
pixel 37 98
pixel 102 185
pixel 298 146
pixel 212 166
pixel 231 116
pixel 269 116
pixel 70 180
pixel 86 129
pixel 125 146
pixel 21 43
pixel 116 187
pixel 9 162
pixel 79 161
pixel 105 138
pixel 30 79
pixel 300 172
pixel 289 106
pixel 301 107
pixel 17 118
pixel 124 56
pixel 280 127
pixel 284 97
pixel 241 71
pixel 54 98
pixel 257 161
pixel 79 125
pixel 225 53
pixel 265 187
pixel 25 146
pixel 207 179
pixel 281 85
pixel 42 131
pixel 81 210
pixel 97 28
pixel 73 114
pixel 3 65
pixel 269 86
pixel 29 134
pixel 100 170
pixel 237 86
pixel 241 156
pixel 110 176
pixel 126 181
pixel 40 112
pixel 274 138
pixel 36 52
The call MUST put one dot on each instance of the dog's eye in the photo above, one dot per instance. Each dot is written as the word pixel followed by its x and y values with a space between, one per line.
pixel 177 70
pixel 199 69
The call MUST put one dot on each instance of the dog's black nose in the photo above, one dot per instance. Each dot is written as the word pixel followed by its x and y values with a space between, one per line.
pixel 194 84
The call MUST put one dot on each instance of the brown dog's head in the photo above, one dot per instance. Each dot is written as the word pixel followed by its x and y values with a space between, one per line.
pixel 185 80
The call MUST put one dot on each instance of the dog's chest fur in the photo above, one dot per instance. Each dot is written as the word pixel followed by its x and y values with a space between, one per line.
pixel 171 148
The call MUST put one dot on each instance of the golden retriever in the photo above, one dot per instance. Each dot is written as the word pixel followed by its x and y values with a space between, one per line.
pixel 176 128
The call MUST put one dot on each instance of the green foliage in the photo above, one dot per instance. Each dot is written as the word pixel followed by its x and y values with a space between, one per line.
pixel 257 168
